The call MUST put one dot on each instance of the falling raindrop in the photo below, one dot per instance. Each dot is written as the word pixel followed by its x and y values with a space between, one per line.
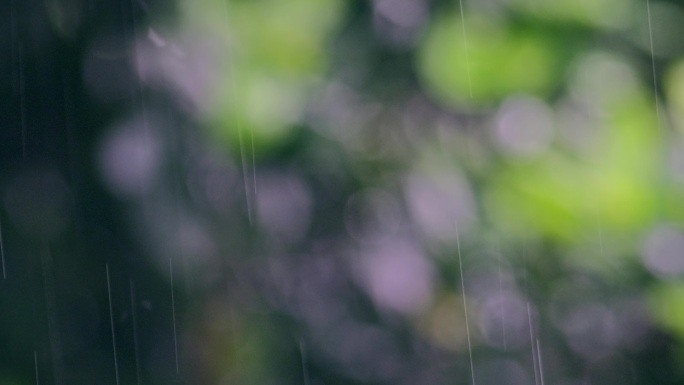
pixel 111 321
pixel 465 306
pixel 541 365
pixel 501 296
pixel 35 363
pixel 305 370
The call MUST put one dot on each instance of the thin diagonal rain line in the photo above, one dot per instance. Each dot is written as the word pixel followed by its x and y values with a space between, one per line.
pixel 529 316
pixel 541 366
pixel 458 241
pixel 302 354
pixel 239 126
pixel 254 178
pixel 35 364
pixel 465 306
pixel 600 234
pixel 245 172
pixel 111 321
pixel 534 355
pixel 501 295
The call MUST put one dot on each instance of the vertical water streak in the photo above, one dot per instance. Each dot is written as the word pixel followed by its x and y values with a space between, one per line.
pixel 35 364
pixel 111 321
pixel 465 306
pixel 535 368
pixel 176 140
pixel 501 295
pixel 254 178
pixel 239 126
pixel 600 234
pixel 305 371
pixel 248 198
pixel 541 365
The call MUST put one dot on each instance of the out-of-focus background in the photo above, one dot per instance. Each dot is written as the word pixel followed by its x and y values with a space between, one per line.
pixel 341 192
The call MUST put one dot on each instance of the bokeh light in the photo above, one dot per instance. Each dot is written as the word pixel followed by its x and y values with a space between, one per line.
pixel 331 192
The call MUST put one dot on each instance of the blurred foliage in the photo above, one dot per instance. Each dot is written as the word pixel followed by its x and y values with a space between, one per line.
pixel 331 192
pixel 497 60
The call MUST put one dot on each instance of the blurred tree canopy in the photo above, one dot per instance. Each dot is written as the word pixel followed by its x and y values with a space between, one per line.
pixel 341 192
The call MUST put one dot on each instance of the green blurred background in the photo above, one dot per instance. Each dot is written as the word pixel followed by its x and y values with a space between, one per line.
pixel 342 192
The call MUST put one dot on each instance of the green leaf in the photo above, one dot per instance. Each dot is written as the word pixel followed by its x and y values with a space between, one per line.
pixel 497 61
